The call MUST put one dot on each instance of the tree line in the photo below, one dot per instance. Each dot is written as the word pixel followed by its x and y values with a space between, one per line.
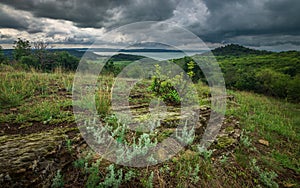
pixel 28 54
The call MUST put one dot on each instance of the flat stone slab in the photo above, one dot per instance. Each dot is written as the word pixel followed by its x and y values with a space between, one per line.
pixel 37 155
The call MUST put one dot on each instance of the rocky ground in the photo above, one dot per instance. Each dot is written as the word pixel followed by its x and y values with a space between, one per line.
pixel 31 156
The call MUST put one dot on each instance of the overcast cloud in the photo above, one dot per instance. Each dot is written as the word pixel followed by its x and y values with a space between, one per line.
pixel 257 23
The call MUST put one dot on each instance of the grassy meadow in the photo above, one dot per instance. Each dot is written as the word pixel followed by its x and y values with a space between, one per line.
pixel 258 144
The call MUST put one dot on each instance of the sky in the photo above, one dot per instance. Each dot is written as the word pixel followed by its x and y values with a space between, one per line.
pixel 263 24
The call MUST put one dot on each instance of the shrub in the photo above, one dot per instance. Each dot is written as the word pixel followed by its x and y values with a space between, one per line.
pixel 172 88
pixel 246 81
pixel 273 83
pixel 2 57
pixel 30 61
pixel 293 89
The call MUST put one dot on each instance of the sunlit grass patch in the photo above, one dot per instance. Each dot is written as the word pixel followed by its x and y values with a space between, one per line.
pixel 14 88
pixel 46 111
pixel 273 120
pixel 17 87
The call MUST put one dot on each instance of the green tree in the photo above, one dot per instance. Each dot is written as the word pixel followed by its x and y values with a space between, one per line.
pixel 2 57
pixel 65 60
pixel 30 61
pixel 21 48
pixel 246 80
pixel 111 68
pixel 41 53
pixel 193 70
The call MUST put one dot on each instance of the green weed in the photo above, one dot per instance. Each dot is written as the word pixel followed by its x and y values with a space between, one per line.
pixel 204 152
pixel 267 178
pixel 148 182
pixel 58 180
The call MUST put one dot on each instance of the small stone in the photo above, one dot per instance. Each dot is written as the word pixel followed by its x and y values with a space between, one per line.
pixel 7 177
pixel 1 177
pixel 34 165
pixel 263 142
pixel 289 185
pixel 21 170
pixel 13 109
pixel 236 134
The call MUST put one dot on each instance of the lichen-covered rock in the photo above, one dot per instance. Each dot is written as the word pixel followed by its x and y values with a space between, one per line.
pixel 29 159
pixel 225 141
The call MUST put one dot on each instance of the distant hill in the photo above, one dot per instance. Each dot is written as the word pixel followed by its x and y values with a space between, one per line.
pixel 237 50
pixel 149 50
pixel 79 52
pixel 126 57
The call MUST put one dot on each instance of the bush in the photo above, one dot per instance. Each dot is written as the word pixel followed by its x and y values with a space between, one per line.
pixel 163 87
pixel 2 57
pixel 29 61
pixel 65 60
pixel 273 83
pixel 246 81
pixel 172 88
pixel 293 89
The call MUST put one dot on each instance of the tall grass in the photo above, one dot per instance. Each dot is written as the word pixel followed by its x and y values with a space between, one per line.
pixel 103 95
pixel 103 100
pixel 14 88
pixel 18 86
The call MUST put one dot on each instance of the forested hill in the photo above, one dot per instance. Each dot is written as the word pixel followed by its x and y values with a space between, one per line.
pixel 271 73
pixel 77 52
pixel 237 50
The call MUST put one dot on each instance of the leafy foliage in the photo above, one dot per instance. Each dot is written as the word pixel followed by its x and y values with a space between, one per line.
pixel 2 57
pixel 163 86
pixel 171 88
pixel 40 57
pixel 22 48
pixel 269 73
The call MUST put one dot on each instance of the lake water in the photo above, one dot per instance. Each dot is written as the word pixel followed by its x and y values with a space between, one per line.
pixel 154 55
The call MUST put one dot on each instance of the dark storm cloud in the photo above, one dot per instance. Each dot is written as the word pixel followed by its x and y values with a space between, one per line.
pixel 8 21
pixel 249 22
pixel 95 13
pixel 230 18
